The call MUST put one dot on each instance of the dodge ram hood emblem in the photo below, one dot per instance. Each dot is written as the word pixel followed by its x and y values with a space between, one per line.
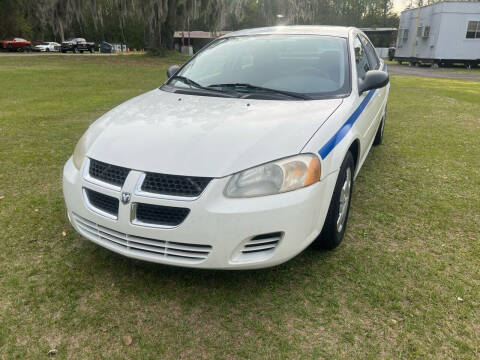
pixel 126 197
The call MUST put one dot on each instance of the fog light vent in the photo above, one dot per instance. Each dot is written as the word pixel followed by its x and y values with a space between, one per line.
pixel 262 243
pixel 257 248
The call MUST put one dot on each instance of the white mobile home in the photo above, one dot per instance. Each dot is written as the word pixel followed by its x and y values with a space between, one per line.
pixel 440 33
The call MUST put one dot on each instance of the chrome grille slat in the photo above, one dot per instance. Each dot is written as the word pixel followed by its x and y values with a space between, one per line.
pixel 157 249
pixel 185 253
pixel 145 241
pixel 174 251
pixel 111 232
pixel 187 248
pixel 117 240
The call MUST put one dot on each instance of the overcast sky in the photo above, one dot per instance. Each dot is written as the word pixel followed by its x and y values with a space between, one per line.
pixel 399 5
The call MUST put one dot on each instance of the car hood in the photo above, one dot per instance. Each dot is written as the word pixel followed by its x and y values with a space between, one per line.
pixel 202 135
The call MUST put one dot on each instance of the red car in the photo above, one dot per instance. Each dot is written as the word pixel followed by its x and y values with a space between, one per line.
pixel 17 44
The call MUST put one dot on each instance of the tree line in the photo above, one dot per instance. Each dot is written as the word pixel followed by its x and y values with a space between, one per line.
pixel 151 23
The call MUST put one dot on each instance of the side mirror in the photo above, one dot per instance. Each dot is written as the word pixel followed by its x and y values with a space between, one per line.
pixel 172 70
pixel 373 79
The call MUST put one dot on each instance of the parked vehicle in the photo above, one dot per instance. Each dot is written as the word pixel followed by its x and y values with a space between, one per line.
pixel 17 44
pixel 243 158
pixel 47 47
pixel 77 45
pixel 106 48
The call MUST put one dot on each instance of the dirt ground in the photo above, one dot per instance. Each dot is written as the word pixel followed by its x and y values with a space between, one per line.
pixel 452 73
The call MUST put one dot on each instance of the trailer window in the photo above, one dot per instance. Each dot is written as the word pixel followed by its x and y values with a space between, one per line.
pixel 426 31
pixel 419 31
pixel 405 36
pixel 473 30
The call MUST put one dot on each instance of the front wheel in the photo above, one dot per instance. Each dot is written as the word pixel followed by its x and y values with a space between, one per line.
pixel 336 222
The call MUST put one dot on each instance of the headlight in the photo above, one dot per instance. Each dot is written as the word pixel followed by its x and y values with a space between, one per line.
pixel 275 177
pixel 83 144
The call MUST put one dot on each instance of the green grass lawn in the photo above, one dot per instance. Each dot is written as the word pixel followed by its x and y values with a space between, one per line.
pixel 404 284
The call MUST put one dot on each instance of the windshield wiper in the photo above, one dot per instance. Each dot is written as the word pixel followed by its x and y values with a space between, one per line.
pixel 194 84
pixel 261 88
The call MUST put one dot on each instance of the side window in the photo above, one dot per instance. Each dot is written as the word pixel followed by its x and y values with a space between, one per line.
pixel 473 30
pixel 371 53
pixel 361 59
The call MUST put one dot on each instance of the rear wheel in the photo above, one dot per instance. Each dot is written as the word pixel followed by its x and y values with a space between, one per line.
pixel 336 222
pixel 379 136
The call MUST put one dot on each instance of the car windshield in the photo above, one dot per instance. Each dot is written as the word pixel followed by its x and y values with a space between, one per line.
pixel 45 43
pixel 300 64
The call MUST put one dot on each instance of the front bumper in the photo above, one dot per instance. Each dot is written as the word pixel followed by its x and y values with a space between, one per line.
pixel 220 227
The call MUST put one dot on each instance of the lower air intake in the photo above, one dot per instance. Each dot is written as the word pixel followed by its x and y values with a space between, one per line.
pixel 135 245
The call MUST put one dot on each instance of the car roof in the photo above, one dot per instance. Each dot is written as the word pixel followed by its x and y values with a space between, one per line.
pixel 341 31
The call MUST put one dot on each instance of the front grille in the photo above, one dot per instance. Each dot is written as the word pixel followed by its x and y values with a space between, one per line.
pixel 161 215
pixel 262 243
pixel 103 202
pixel 175 185
pixel 156 249
pixel 108 173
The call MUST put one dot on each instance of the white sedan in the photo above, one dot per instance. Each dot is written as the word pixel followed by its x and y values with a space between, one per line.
pixel 243 158
pixel 47 47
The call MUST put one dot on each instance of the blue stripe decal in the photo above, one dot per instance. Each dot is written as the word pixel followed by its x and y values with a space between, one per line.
pixel 343 131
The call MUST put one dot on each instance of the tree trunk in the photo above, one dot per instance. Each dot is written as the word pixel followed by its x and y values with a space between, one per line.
pixel 169 25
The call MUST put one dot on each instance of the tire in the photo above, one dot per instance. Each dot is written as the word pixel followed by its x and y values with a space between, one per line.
pixel 336 222
pixel 47 50
pixel 75 50
pixel 379 136
pixel 81 51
